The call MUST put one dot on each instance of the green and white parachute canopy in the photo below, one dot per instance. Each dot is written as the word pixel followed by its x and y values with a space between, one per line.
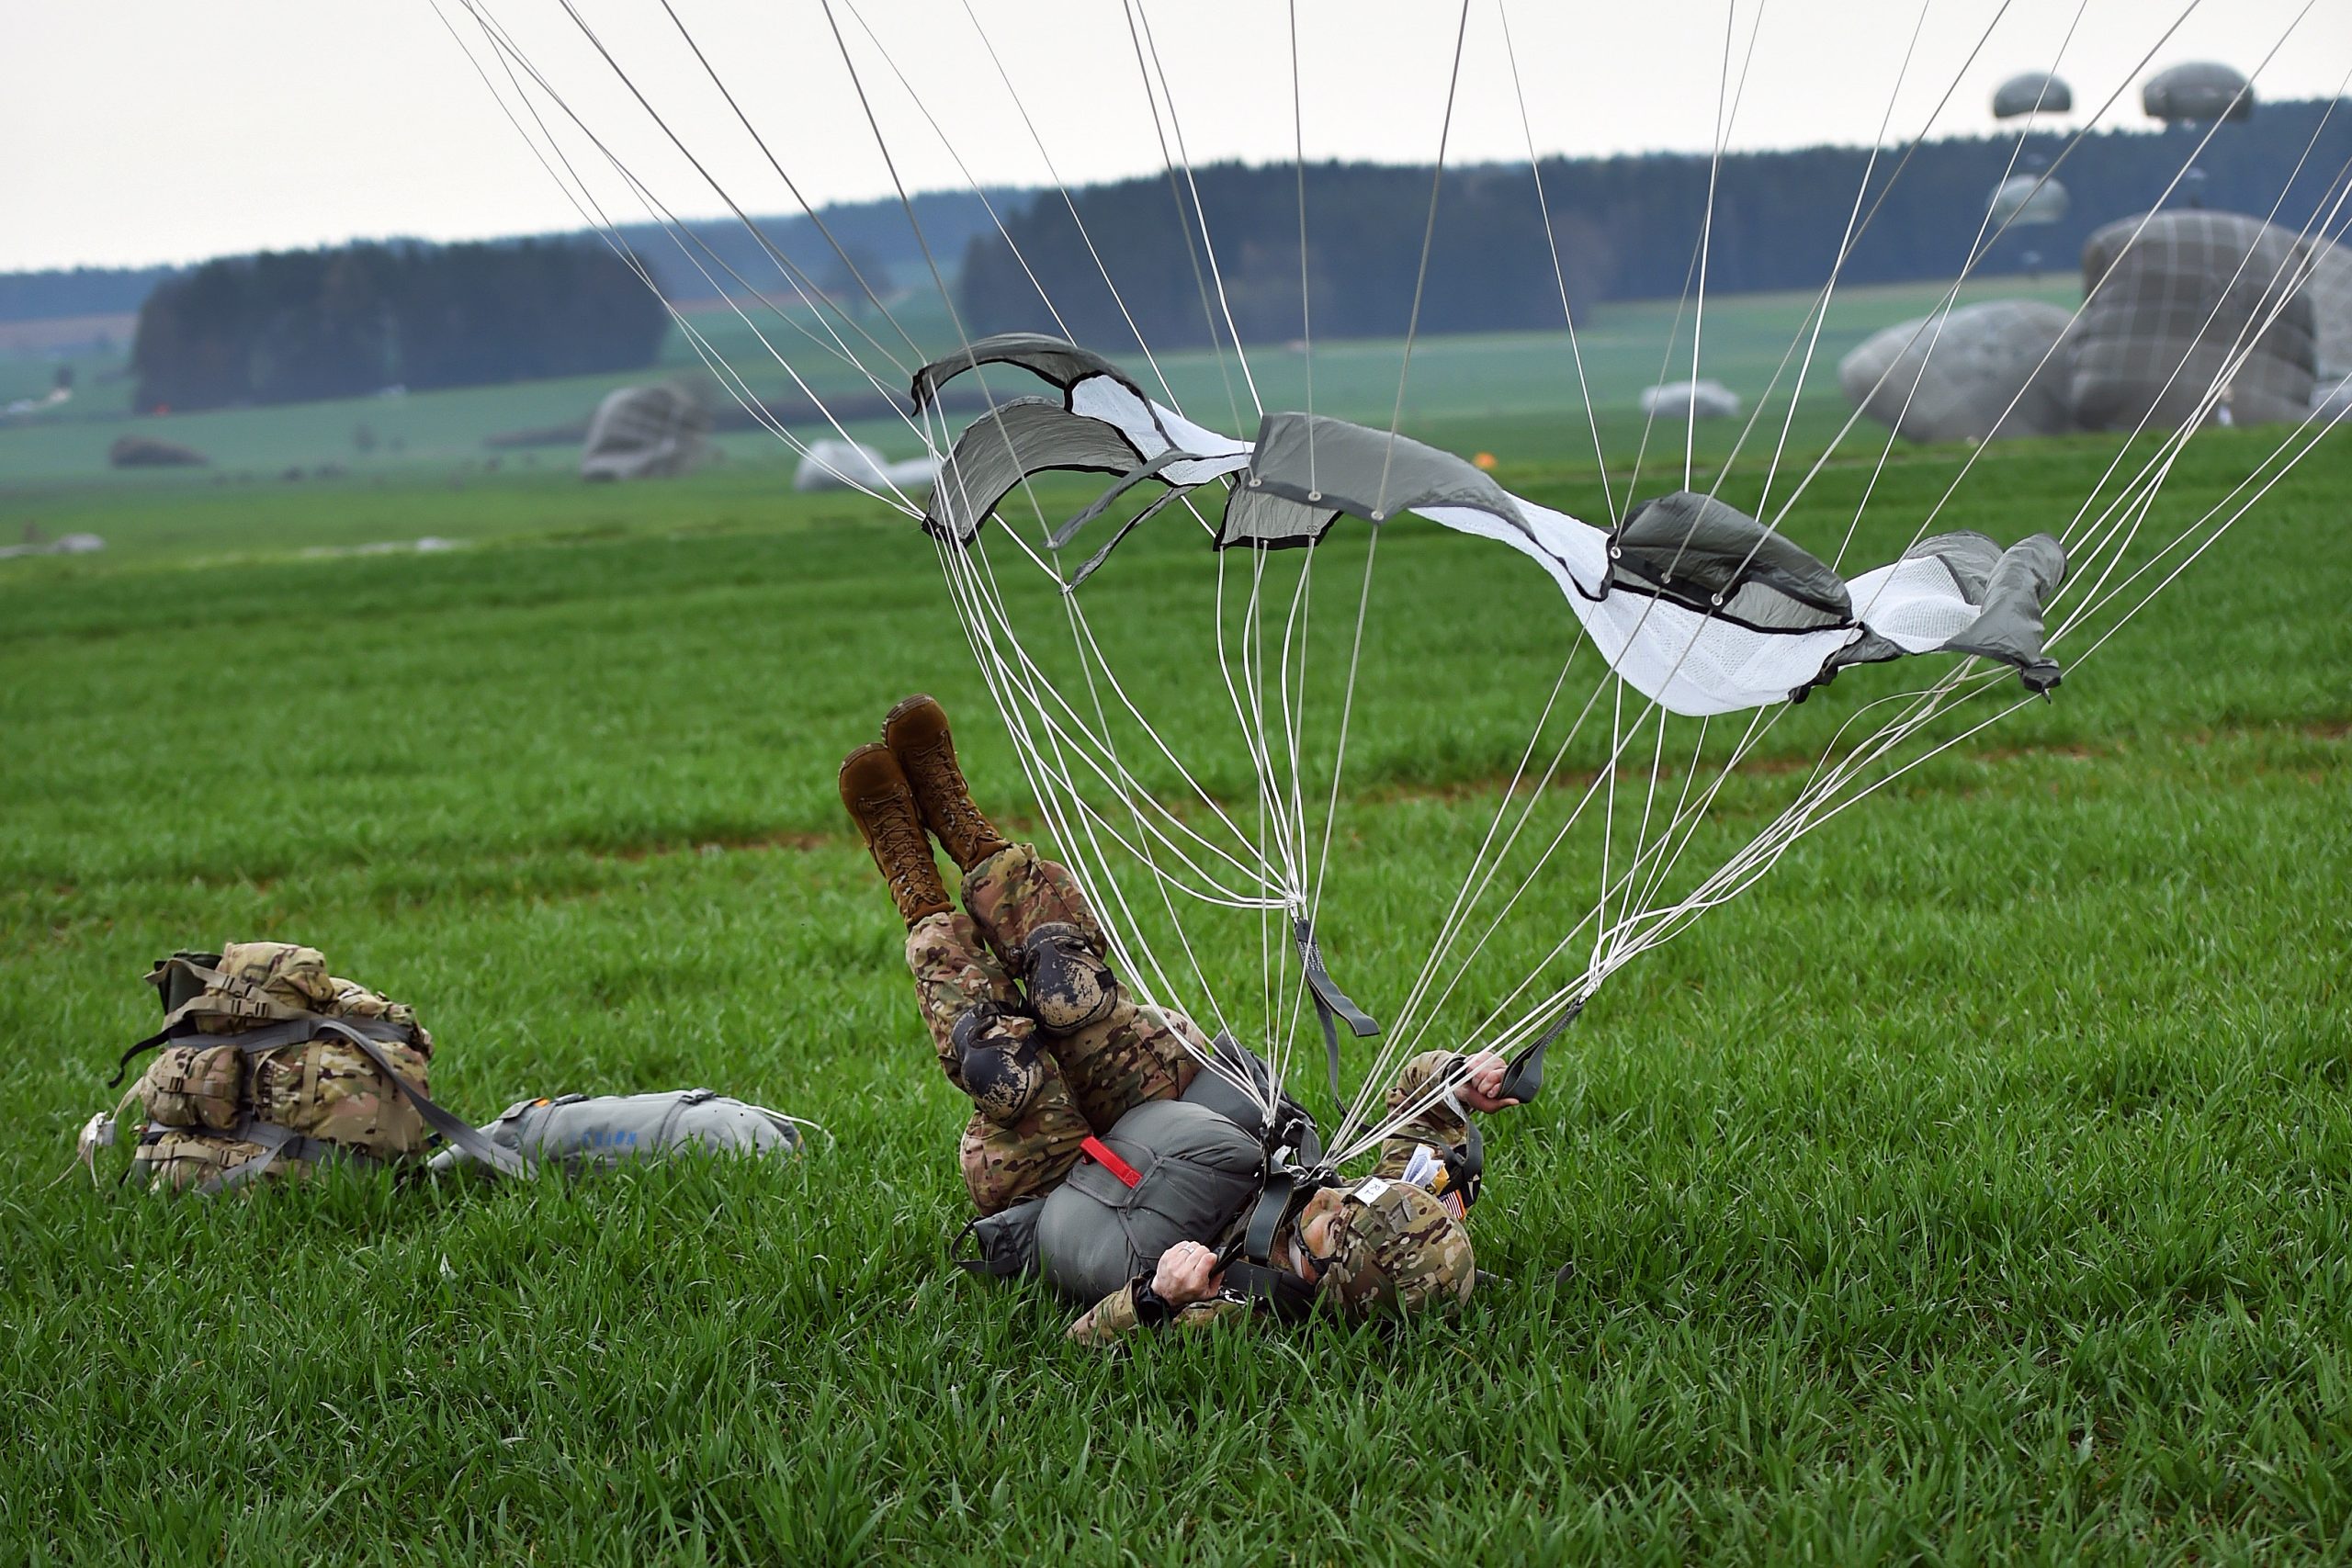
pixel 1694 605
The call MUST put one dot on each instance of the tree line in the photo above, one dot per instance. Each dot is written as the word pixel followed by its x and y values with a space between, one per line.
pixel 293 325
pixel 1624 227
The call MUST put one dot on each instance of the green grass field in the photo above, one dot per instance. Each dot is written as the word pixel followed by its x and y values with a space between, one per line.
pixel 1974 1189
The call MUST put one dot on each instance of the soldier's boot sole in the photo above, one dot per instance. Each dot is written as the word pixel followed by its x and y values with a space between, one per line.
pixel 882 805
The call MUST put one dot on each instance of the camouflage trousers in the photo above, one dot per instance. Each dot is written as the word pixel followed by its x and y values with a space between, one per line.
pixel 1092 1075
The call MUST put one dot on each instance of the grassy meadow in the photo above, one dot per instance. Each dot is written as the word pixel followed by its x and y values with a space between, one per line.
pixel 1977 1188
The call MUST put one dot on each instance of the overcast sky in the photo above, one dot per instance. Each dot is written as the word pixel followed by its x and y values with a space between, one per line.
pixel 143 130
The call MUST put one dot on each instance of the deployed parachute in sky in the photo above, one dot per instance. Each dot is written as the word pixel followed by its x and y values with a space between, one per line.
pixel 2199 92
pixel 2031 91
pixel 2026 199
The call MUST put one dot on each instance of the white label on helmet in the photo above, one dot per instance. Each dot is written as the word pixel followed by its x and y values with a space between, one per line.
pixel 1369 1190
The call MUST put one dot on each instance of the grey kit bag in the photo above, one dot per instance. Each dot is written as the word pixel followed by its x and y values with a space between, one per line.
pixel 578 1131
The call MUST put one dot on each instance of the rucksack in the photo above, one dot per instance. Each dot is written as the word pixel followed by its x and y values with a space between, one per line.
pixel 267 1065
pixel 581 1133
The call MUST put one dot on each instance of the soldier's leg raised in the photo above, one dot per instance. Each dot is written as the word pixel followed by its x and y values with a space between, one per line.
pixel 1115 1054
pixel 1030 1126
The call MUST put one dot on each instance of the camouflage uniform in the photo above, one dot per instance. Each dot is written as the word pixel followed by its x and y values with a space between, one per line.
pixel 1091 1076
pixel 1022 1143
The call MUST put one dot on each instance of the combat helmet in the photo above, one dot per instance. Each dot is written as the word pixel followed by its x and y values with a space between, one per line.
pixel 1397 1250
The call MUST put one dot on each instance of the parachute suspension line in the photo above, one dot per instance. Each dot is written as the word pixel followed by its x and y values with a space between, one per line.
pixel 572 10
pixel 1978 247
pixel 1421 272
pixel 1820 312
pixel 2281 290
pixel 1071 202
pixel 583 201
pixel 847 261
pixel 962 576
pixel 1819 804
pixel 1467 899
pixel 1168 160
pixel 1707 223
pixel 1124 933
pixel 1559 272
pixel 961 167
pixel 1306 303
pixel 2321 217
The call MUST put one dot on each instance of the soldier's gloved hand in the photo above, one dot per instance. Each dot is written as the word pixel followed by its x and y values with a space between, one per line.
pixel 1482 1083
pixel 1188 1272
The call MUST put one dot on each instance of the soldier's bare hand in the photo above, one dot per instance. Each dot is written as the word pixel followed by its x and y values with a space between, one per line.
pixel 1187 1273
pixel 1482 1083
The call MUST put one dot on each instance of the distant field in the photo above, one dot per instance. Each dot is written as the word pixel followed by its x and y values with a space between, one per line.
pixel 1520 389
pixel 1974 1188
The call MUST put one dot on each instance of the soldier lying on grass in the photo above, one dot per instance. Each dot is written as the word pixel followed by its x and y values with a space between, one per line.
pixel 1075 1086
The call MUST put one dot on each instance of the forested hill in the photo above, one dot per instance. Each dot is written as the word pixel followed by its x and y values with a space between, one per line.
pixel 722 256
pixel 77 291
pixel 1628 228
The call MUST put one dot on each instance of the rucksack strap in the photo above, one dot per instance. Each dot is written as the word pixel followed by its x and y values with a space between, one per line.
pixel 455 1129
pixel 277 1142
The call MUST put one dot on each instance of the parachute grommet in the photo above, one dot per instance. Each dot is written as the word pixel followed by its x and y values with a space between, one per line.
pixel 1380 517
pixel 1255 482
pixel 1314 495
pixel 1716 600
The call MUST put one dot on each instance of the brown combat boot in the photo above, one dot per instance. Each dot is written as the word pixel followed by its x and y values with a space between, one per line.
pixel 884 809
pixel 916 732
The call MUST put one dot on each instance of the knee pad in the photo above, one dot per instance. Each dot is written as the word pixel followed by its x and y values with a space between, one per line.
pixel 1002 1069
pixel 1069 985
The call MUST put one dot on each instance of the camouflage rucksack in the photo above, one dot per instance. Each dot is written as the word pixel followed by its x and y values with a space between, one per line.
pixel 268 1064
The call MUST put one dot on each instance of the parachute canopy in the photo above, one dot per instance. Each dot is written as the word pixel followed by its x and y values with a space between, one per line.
pixel 2031 91
pixel 1694 604
pixel 2167 314
pixel 852 465
pixel 1983 372
pixel 1690 400
pixel 2027 199
pixel 2197 92
pixel 642 432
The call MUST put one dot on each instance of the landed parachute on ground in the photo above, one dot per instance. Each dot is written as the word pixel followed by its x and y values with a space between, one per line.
pixel 852 465
pixel 643 432
pixel 1693 603
pixel 1983 372
pixel 1689 399
pixel 2181 305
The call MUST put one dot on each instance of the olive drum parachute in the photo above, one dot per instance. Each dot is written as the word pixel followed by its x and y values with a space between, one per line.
pixel 641 433
pixel 1982 372
pixel 2172 300
pixel 2028 200
pixel 1689 400
pixel 2198 93
pixel 1693 602
pixel 2030 93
